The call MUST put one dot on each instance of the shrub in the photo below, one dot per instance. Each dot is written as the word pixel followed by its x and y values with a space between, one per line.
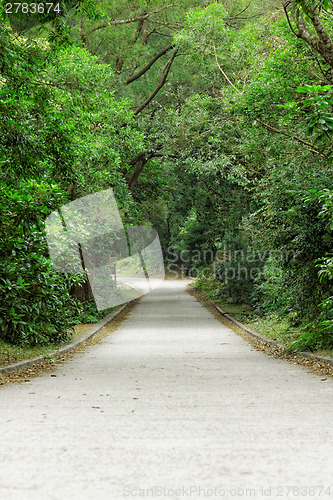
pixel 36 304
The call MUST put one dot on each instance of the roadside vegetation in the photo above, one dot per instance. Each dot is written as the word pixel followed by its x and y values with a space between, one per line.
pixel 211 121
pixel 290 337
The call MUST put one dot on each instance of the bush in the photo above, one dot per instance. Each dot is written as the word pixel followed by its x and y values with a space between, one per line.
pixel 239 270
pixel 36 305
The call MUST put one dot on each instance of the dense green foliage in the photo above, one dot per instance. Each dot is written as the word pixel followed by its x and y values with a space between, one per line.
pixel 60 139
pixel 212 123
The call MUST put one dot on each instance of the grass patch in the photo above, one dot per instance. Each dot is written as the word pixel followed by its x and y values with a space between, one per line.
pixel 274 327
pixel 293 338
pixel 281 330
pixel 12 353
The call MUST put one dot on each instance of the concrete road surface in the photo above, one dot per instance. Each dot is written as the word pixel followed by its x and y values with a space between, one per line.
pixel 171 405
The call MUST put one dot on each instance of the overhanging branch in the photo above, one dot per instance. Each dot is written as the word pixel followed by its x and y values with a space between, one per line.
pixel 314 148
pixel 140 161
pixel 148 66
pixel 115 22
pixel 160 84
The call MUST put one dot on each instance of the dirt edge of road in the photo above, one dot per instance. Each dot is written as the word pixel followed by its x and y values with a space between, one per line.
pixel 50 365
pixel 315 366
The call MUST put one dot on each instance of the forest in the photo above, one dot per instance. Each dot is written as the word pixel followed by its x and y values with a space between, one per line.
pixel 211 121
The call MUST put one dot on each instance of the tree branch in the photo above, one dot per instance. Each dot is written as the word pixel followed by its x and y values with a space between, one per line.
pixel 288 19
pixel 160 84
pixel 318 26
pixel 145 32
pixel 240 18
pixel 223 73
pixel 155 32
pixel 149 65
pixel 314 148
pixel 114 22
pixel 138 157
pixel 320 41
pixel 140 161
pixel 242 11
pixel 121 59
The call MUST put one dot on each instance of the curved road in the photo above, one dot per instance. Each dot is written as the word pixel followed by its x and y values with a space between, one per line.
pixel 171 405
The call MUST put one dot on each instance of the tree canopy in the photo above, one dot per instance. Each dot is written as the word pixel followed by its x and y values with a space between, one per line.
pixel 211 121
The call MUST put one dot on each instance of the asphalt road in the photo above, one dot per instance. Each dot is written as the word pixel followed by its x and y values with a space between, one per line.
pixel 171 405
